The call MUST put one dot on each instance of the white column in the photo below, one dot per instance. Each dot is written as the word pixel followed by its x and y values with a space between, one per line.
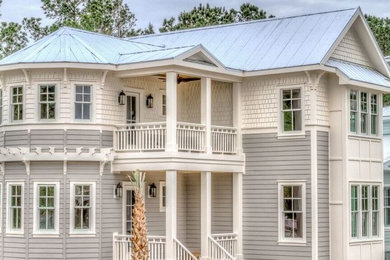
pixel 237 113
pixel 171 117
pixel 205 212
pixel 237 212
pixel 170 213
pixel 206 110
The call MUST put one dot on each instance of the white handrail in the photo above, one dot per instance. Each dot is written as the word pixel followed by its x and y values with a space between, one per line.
pixel 217 252
pixel 224 139
pixel 191 137
pixel 228 241
pixel 140 137
pixel 182 253
pixel 122 247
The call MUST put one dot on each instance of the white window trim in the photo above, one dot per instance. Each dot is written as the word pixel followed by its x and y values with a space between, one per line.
pixel 387 228
pixel 162 184
pixel 1 206
pixel 56 102
pixel 93 102
pixel 359 238
pixel 36 230
pixel 359 112
pixel 91 230
pixel 281 239
pixel 10 105
pixel 9 230
pixel 290 134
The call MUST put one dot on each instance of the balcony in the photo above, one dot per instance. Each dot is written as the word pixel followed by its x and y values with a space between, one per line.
pixel 152 137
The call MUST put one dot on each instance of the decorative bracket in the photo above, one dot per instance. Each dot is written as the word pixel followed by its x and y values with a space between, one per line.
pixel 27 165
pixel 2 169
pixel 65 79
pixel 101 167
pixel 2 81
pixel 27 78
pixel 65 167
pixel 314 79
pixel 103 79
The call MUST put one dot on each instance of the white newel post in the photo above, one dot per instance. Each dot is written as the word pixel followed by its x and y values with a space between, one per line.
pixel 171 213
pixel 205 220
pixel 237 212
pixel 171 117
pixel 237 114
pixel 206 111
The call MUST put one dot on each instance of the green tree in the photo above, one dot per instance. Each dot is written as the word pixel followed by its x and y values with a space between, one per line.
pixel 205 15
pixel 381 29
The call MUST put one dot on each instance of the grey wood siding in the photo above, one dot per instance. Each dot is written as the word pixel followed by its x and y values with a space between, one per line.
pixel 154 217
pixel 222 203
pixel 57 138
pixel 323 195
pixel 269 160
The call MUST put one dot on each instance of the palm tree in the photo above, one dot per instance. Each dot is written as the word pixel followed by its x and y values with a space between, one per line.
pixel 139 240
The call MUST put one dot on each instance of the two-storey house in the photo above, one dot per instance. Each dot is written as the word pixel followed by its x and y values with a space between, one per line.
pixel 260 140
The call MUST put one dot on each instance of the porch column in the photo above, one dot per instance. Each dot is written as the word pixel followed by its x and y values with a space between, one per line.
pixel 170 213
pixel 205 212
pixel 237 212
pixel 236 114
pixel 171 117
pixel 206 111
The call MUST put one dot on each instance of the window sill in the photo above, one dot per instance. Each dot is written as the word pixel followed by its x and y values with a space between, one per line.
pixel 371 137
pixel 86 234
pixel 366 241
pixel 291 135
pixel 51 235
pixel 291 243
pixel 11 234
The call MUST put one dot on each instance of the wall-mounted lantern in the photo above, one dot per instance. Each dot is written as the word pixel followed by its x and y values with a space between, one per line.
pixel 149 101
pixel 118 191
pixel 122 98
pixel 152 191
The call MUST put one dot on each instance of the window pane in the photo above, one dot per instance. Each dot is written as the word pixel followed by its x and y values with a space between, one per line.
pixel 85 218
pixel 298 225
pixel 87 98
pixel 78 110
pixel 354 224
pixel 43 111
pixel 363 125
pixel 287 191
pixel 287 94
pixel 86 111
pixel 296 104
pixel 287 120
pixel 79 89
pixel 52 111
pixel 79 97
pixel 374 124
pixel 364 224
pixel 296 93
pixel 375 223
pixel 288 204
pixel 286 104
pixel 289 225
pixel 297 120
pixel 77 218
pixel 352 122
pixel 50 219
pixel 297 204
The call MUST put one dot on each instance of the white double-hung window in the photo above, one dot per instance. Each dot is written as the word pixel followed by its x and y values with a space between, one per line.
pixel 363 112
pixel 15 207
pixel 82 211
pixel 47 101
pixel 46 208
pixel 291 110
pixel 17 103
pixel 292 212
pixel 364 211
pixel 83 102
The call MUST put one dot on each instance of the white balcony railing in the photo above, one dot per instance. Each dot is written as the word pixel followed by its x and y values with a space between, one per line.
pixel 122 247
pixel 182 252
pixel 224 139
pixel 217 252
pixel 227 241
pixel 141 137
pixel 190 138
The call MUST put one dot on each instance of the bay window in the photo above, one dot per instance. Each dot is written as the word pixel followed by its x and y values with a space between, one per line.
pixel 363 113
pixel 364 211
pixel 292 212
pixel 47 101
pixel 82 208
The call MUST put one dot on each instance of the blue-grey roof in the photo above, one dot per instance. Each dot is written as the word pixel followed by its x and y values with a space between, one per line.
pixel 386 111
pixel 73 45
pixel 264 44
pixel 359 72
pixel 249 46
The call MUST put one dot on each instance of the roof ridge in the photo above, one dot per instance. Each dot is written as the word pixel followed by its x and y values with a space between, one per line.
pixel 163 49
pixel 237 24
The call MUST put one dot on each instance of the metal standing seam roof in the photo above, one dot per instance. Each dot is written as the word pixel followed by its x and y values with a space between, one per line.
pixel 264 44
pixel 359 72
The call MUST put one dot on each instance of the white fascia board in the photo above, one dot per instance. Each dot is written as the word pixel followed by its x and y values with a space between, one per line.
pixel 282 70
pixel 53 65
pixel 204 51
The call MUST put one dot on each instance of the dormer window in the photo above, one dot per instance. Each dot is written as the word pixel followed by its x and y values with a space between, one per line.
pixel 47 101
pixel 17 103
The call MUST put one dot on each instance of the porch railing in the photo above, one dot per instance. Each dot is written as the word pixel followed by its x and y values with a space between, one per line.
pixel 182 253
pixel 217 252
pixel 191 137
pixel 228 241
pixel 224 139
pixel 122 247
pixel 140 137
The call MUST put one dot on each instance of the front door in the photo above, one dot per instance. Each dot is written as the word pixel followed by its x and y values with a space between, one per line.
pixel 132 108
pixel 127 209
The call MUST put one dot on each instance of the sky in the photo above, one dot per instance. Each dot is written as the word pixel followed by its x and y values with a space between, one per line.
pixel 155 11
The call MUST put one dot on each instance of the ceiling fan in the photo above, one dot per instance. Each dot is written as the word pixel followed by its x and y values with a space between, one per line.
pixel 180 79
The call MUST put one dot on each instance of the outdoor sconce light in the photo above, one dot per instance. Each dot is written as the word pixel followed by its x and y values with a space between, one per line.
pixel 149 101
pixel 118 190
pixel 122 98
pixel 152 191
